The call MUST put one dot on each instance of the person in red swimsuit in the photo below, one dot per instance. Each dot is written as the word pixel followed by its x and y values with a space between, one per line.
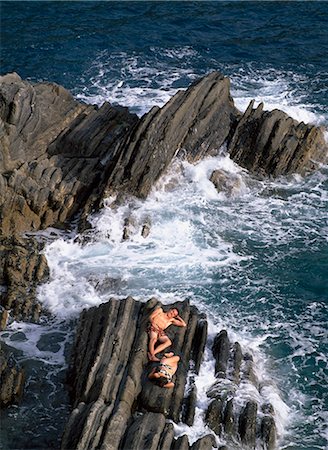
pixel 158 322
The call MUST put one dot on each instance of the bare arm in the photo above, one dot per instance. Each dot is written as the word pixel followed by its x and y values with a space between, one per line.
pixel 169 385
pixel 179 322
pixel 151 376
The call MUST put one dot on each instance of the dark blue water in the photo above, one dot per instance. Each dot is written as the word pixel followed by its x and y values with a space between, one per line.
pixel 138 54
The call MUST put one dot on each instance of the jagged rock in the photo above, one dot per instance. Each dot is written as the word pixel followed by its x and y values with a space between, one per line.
pixel 12 378
pixel 109 383
pixel 228 418
pixel 181 443
pixel 234 370
pixel 199 341
pixel 189 406
pixel 204 443
pixel 55 153
pixel 145 229
pixel 145 432
pixel 129 226
pixel 272 143
pixel 195 122
pixel 214 415
pixel 237 361
pixel 268 432
pixel 226 182
pixel 220 349
pixel 247 424
pixel 248 370
pixel 60 157
pixel 167 437
pixel 3 318
pixel 23 269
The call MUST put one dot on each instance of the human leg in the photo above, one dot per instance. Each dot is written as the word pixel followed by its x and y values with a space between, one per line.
pixel 153 338
pixel 165 342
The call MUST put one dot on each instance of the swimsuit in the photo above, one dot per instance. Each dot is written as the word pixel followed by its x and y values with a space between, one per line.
pixel 164 371
pixel 159 331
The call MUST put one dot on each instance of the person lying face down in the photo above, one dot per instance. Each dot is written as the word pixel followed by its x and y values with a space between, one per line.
pixel 163 373
pixel 158 322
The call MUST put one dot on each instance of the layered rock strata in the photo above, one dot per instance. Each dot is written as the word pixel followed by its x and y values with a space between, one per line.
pixel 54 152
pixel 12 378
pixel 60 157
pixel 248 422
pixel 23 268
pixel 271 143
pixel 115 405
pixel 194 123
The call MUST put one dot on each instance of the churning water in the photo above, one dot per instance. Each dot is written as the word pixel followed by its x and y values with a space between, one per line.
pixel 255 262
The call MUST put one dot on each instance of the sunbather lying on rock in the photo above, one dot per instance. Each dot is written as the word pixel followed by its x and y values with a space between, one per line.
pixel 158 322
pixel 163 373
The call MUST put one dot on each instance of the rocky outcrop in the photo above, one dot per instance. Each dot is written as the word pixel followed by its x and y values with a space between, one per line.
pixel 272 143
pixel 55 153
pixel 23 268
pixel 12 378
pixel 225 182
pixel 249 421
pixel 194 123
pixel 115 405
pixel 60 157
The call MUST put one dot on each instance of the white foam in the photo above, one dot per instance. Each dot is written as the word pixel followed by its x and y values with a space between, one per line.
pixel 29 345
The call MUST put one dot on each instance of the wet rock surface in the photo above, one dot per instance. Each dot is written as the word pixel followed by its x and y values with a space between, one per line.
pixel 116 406
pixel 55 153
pixel 245 422
pixel 194 123
pixel 23 269
pixel 12 378
pixel 60 157
pixel 272 143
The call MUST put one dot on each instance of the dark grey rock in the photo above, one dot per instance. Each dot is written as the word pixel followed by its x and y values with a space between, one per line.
pixel 214 415
pixel 181 443
pixel 272 143
pixel 189 406
pixel 204 443
pixel 268 432
pixel 167 437
pixel 195 123
pixel 145 432
pixel 56 153
pixel 228 418
pixel 220 349
pixel 199 342
pixel 247 424
pixel 110 389
pixel 237 361
pixel 247 372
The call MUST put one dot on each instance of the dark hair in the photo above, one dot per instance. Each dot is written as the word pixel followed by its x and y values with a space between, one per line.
pixel 161 382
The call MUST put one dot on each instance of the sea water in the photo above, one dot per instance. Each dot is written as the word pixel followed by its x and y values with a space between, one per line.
pixel 256 262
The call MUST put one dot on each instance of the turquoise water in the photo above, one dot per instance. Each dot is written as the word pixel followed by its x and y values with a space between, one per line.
pixel 257 263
